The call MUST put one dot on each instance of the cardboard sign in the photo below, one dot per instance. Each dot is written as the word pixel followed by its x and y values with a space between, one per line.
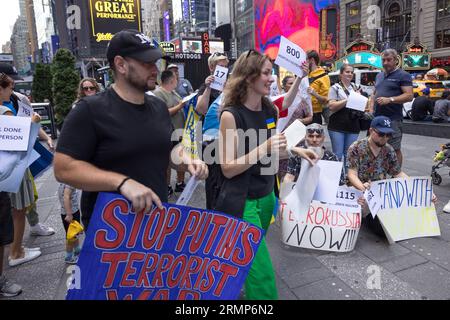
pixel 177 253
pixel 356 101
pixel 406 208
pixel 321 226
pixel 14 133
pixel 291 57
pixel 220 77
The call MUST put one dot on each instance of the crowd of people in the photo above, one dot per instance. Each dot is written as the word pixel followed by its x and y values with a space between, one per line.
pixel 121 140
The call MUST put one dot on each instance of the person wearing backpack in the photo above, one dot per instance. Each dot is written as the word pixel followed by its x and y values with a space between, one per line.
pixel 344 125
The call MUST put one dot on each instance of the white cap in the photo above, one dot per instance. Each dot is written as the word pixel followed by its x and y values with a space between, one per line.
pixel 172 66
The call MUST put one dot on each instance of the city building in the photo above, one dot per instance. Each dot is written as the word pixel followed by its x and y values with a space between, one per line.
pixel 400 23
pixel 193 17
pixel 243 25
pixel 20 46
pixel 151 15
pixel 6 48
pixel 45 29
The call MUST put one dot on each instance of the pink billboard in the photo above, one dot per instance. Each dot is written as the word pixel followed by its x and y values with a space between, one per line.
pixel 297 20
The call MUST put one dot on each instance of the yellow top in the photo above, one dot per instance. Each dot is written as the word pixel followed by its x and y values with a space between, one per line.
pixel 321 86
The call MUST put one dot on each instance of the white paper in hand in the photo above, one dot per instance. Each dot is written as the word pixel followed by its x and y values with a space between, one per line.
pixel 291 57
pixel 299 199
pixel 295 133
pixel 189 97
pixel 14 133
pixel 330 174
pixel 220 77
pixel 373 201
pixel 188 192
pixel 356 101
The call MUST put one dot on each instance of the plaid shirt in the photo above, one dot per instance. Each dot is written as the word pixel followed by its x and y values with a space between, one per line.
pixel 369 167
pixel 295 163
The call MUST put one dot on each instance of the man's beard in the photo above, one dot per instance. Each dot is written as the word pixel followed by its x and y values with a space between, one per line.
pixel 138 84
pixel 379 144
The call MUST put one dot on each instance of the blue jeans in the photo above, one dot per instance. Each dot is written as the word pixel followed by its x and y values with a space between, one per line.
pixel 341 141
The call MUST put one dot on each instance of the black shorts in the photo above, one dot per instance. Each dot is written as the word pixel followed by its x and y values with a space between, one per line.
pixel 76 216
pixel 6 221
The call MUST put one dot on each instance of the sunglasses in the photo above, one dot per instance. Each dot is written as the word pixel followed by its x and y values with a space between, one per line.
pixel 382 135
pixel 219 54
pixel 89 88
pixel 249 52
pixel 312 131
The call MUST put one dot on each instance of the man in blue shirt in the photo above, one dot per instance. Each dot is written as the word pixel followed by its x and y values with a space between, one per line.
pixel 393 87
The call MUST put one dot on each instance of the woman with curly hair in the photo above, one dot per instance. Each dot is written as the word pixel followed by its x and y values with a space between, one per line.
pixel 87 87
pixel 249 162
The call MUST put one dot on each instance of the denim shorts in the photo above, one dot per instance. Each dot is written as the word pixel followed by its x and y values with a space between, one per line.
pixel 6 221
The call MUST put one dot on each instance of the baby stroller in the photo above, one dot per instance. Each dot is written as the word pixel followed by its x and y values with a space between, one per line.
pixel 442 159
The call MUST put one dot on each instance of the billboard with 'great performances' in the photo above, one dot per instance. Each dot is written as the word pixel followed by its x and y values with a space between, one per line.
pixel 110 17
pixel 297 20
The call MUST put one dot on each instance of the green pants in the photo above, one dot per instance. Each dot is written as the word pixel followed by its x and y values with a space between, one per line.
pixel 260 283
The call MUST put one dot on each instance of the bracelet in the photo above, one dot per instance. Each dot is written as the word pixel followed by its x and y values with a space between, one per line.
pixel 121 185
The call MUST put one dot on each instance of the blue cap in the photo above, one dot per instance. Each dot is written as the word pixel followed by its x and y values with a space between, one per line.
pixel 382 124
pixel 426 91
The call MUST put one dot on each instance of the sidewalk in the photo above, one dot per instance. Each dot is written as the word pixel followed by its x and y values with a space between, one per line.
pixel 413 269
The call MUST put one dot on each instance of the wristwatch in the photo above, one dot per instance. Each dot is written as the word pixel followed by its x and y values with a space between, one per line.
pixel 392 99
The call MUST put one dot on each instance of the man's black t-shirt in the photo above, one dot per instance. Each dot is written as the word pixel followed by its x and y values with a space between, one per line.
pixel 118 136
pixel 421 107
pixel 212 97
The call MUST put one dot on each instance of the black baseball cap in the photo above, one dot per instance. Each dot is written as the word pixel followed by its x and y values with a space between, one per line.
pixel 133 44
pixel 10 71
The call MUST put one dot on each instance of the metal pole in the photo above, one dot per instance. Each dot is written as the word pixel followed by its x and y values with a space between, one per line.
pixel 210 17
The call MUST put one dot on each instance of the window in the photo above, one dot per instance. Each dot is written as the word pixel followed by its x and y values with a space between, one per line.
pixel 353 9
pixel 396 27
pixel 443 39
pixel 353 31
pixel 443 8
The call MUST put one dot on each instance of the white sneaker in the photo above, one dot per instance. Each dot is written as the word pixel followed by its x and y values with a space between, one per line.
pixel 41 230
pixel 29 255
pixel 8 289
pixel 447 207
pixel 31 249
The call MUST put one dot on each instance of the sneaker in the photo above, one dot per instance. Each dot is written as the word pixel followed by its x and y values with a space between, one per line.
pixel 41 230
pixel 71 259
pixel 31 249
pixel 447 207
pixel 179 187
pixel 8 289
pixel 169 191
pixel 29 255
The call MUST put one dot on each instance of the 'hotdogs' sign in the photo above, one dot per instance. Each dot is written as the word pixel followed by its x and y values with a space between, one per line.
pixel 111 16
pixel 171 253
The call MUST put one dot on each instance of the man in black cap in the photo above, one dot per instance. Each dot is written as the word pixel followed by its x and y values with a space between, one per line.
pixel 120 139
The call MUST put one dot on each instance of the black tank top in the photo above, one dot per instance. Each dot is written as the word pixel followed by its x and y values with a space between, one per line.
pixel 263 121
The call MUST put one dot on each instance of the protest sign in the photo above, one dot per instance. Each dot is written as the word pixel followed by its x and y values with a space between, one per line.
pixel 373 202
pixel 190 134
pixel 25 110
pixel 291 56
pixel 43 163
pixel 220 77
pixel 174 253
pixel 330 175
pixel 14 133
pixel 14 163
pixel 406 209
pixel 356 101
pixel 321 226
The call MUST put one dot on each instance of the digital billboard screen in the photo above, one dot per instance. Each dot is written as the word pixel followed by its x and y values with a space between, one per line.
pixel 297 20
pixel 110 17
